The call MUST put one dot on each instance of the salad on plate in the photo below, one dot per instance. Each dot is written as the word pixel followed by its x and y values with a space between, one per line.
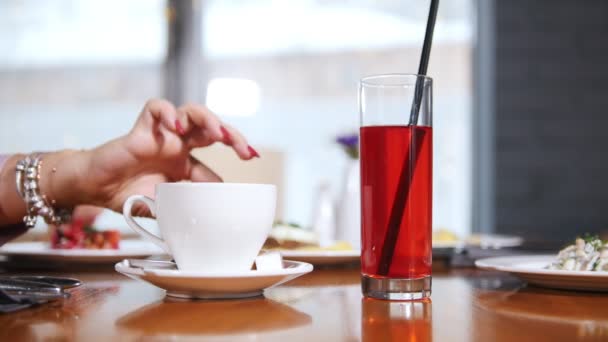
pixel 588 253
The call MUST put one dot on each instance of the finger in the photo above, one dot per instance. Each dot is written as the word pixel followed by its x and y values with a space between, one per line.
pixel 200 172
pixel 239 143
pixel 201 138
pixel 198 138
pixel 86 214
pixel 137 210
pixel 140 210
pixel 194 117
pixel 163 111
pixel 86 211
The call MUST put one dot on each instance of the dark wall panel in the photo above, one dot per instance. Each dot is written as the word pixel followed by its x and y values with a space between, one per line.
pixel 551 117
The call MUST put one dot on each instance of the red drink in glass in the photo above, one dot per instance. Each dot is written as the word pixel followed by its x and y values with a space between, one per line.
pixel 396 154
pixel 384 150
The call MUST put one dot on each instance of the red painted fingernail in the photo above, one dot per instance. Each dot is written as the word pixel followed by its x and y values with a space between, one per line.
pixel 179 128
pixel 252 152
pixel 226 136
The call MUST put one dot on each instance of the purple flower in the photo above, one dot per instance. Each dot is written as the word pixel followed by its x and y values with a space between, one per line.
pixel 350 143
pixel 351 140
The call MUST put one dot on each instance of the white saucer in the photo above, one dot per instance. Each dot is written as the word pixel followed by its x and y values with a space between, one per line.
pixel 213 286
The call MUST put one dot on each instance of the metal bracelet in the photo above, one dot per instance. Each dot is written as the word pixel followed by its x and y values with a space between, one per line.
pixel 27 176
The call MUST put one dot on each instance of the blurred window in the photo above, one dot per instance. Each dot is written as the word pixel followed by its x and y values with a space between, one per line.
pixel 307 56
pixel 66 32
pixel 70 70
pixel 74 73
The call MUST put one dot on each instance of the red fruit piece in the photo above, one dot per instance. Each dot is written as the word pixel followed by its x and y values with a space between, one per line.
pixel 98 239
pixel 112 238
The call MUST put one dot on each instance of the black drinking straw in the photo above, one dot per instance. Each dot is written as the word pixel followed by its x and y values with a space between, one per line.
pixel 407 169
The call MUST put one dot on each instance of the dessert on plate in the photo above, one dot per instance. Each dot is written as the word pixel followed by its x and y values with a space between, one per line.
pixel 77 234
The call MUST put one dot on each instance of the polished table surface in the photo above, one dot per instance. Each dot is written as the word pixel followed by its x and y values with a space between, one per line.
pixel 325 305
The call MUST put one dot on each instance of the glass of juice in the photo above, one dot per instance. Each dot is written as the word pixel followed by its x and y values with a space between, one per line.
pixel 396 186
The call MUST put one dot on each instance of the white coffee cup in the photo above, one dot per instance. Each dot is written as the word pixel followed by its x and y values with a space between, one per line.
pixel 209 227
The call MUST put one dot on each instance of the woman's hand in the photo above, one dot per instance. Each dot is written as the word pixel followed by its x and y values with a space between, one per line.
pixel 157 150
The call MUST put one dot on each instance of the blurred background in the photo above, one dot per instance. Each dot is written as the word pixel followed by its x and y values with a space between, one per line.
pixel 518 92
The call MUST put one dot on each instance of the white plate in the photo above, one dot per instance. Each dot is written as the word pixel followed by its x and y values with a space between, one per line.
pixel 532 269
pixel 317 257
pixel 483 241
pixel 448 244
pixel 494 241
pixel 42 251
pixel 214 285
pixel 352 256
pixel 330 257
pixel 322 257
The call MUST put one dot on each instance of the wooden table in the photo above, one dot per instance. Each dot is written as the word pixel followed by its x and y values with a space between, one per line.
pixel 326 305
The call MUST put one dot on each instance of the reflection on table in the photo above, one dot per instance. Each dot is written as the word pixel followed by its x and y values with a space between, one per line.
pixel 396 321
pixel 325 305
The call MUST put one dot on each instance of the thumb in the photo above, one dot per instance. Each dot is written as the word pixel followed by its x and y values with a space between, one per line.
pixel 200 172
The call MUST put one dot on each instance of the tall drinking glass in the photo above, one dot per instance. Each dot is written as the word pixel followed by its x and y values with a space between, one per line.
pixel 396 186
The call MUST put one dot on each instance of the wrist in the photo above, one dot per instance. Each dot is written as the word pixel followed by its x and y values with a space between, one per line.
pixel 12 207
pixel 63 178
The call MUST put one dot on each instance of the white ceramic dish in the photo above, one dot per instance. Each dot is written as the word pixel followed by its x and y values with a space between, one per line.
pixel 494 241
pixel 344 257
pixel 42 251
pixel 213 285
pixel 352 256
pixel 448 244
pixel 440 248
pixel 532 269
pixel 482 241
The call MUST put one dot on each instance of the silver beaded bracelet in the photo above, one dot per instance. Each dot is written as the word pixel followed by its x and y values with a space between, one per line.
pixel 27 176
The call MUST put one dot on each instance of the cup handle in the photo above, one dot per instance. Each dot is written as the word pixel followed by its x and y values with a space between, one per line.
pixel 126 212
